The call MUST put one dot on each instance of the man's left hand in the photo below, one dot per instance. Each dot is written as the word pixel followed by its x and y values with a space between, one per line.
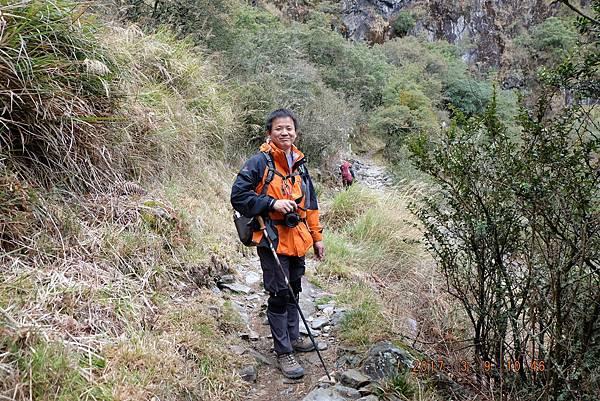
pixel 319 249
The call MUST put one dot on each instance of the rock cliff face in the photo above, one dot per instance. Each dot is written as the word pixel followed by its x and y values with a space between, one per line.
pixel 483 26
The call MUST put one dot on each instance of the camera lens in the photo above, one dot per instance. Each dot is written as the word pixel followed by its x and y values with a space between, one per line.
pixel 291 219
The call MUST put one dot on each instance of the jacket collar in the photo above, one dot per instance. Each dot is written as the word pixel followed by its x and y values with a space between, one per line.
pixel 279 156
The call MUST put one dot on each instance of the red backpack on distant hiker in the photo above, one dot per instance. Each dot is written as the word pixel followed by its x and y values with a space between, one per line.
pixel 347 173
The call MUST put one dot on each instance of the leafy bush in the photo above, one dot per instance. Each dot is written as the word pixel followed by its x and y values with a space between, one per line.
pixel 272 72
pixel 515 231
pixel 206 21
pixel 354 69
pixel 550 40
pixel 403 23
pixel 463 91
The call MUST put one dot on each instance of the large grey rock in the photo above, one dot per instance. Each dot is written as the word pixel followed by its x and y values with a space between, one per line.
pixel 385 360
pixel 307 304
pixel 369 398
pixel 353 378
pixel 324 394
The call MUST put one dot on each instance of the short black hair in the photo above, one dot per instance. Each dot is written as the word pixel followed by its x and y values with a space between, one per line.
pixel 281 113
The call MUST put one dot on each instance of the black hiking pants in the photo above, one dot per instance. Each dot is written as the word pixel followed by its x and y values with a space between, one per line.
pixel 282 314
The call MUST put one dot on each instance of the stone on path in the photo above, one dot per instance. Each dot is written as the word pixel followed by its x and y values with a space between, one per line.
pixel 226 279
pixel 322 345
pixel 252 278
pixel 324 394
pixel 355 379
pixel 369 398
pixel 319 323
pixel 248 373
pixel 249 334
pixel 237 288
pixel 260 357
pixel 237 349
pixel 303 330
pixel 338 315
pixel 347 392
pixel 307 306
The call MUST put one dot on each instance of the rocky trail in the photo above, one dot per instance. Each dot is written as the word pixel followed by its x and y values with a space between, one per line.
pixel 354 374
pixel 372 175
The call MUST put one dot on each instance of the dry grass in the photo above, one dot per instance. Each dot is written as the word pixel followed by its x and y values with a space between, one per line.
pixel 55 96
pixel 377 243
pixel 179 115
pixel 101 293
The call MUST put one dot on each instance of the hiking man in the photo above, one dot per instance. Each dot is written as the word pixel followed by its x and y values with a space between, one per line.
pixel 290 211
pixel 347 173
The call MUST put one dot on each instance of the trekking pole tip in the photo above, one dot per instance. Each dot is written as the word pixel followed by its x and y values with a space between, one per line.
pixel 327 379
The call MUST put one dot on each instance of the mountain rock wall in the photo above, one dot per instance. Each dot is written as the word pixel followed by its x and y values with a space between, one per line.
pixel 482 28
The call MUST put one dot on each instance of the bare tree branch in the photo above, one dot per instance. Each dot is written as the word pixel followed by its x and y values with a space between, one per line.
pixel 578 11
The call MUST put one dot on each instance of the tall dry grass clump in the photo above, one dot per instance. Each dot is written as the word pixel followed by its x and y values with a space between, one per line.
pixel 179 115
pixel 55 95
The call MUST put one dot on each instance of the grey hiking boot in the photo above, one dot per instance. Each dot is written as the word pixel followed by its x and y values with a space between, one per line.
pixel 303 344
pixel 289 366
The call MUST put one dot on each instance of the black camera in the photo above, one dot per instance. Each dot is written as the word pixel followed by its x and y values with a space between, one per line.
pixel 291 219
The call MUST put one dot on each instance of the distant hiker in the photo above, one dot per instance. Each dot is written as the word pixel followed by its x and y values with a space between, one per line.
pixel 289 208
pixel 347 173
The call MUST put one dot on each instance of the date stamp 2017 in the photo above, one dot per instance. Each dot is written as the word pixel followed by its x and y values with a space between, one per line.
pixel 421 366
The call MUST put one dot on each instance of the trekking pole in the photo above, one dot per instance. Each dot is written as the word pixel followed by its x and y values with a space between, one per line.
pixel 263 227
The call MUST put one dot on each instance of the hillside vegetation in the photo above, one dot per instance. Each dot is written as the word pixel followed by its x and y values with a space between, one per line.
pixel 119 143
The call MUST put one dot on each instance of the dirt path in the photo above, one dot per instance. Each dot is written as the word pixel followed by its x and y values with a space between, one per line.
pixel 270 384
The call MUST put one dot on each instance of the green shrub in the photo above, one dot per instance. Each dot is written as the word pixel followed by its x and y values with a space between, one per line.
pixel 354 69
pixel 505 205
pixel 271 72
pixel 552 39
pixel 403 23
pixel 465 92
pixel 207 21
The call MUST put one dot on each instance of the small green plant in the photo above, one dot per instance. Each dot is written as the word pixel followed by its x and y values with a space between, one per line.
pixel 405 21
pixel 400 384
pixel 365 314
pixel 53 371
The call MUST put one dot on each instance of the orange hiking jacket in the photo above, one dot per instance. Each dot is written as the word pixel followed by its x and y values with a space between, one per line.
pixel 247 199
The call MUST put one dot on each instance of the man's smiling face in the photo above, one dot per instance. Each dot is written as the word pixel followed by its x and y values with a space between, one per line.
pixel 283 133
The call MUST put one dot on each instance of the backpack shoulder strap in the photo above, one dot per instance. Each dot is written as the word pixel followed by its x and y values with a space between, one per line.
pixel 270 174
